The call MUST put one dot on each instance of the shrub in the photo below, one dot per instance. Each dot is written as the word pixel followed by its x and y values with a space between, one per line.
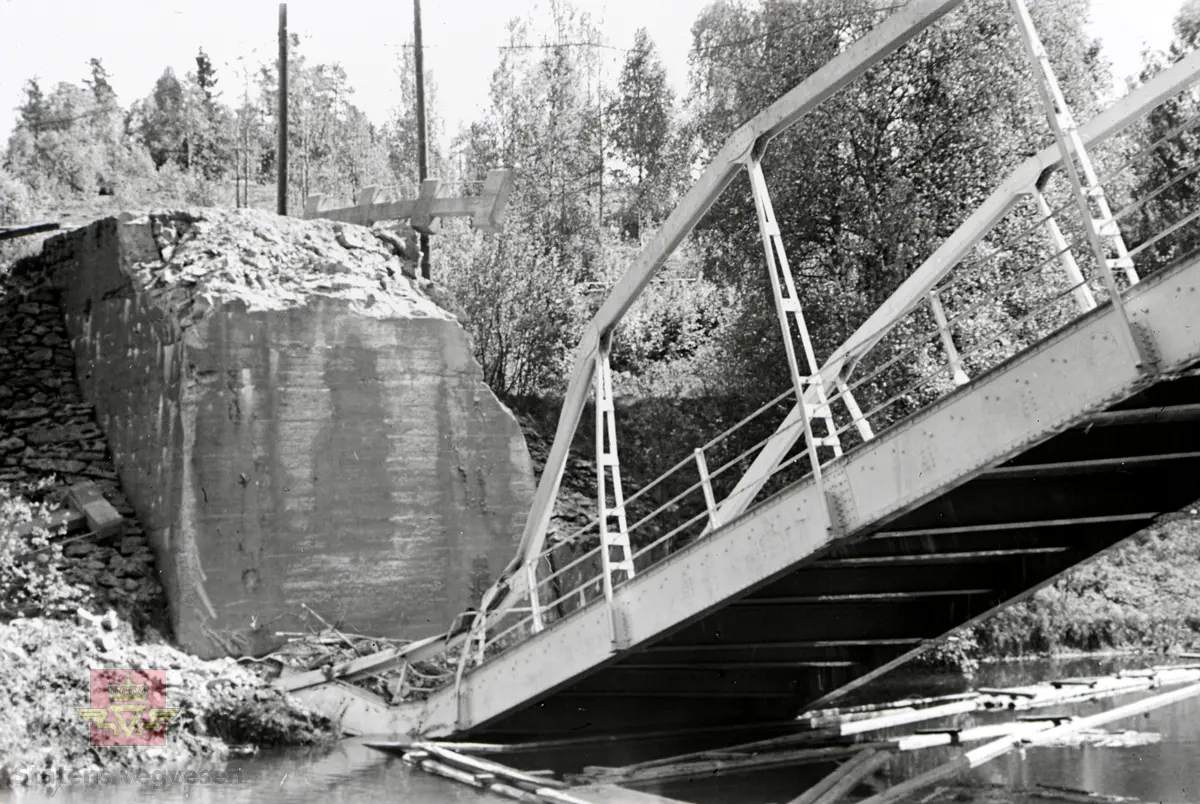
pixel 31 585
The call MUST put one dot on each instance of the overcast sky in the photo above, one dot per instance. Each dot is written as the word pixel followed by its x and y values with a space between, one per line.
pixel 53 39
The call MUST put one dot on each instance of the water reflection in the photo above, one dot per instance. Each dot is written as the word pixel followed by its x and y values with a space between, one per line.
pixel 1166 771
pixel 349 773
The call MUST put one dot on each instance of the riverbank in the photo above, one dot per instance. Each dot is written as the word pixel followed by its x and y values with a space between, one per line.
pixel 61 621
pixel 224 707
pixel 1141 596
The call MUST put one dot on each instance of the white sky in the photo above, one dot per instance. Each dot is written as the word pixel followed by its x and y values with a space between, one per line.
pixel 53 39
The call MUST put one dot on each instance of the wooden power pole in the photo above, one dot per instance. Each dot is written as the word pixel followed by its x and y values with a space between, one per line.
pixel 422 153
pixel 281 149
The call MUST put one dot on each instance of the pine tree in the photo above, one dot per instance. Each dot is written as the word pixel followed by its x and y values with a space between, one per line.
pixel 639 120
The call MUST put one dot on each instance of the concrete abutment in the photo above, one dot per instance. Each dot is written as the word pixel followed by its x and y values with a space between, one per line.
pixel 297 424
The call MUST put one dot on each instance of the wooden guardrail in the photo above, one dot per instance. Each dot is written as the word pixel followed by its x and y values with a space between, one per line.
pixel 374 203
pixel 21 230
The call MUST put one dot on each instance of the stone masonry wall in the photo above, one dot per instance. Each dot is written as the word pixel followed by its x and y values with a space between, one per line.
pixel 49 439
pixel 296 422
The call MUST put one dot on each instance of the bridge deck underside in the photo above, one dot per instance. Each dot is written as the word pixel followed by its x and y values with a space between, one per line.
pixel 856 607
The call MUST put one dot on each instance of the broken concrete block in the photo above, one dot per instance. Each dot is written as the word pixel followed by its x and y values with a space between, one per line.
pixel 101 517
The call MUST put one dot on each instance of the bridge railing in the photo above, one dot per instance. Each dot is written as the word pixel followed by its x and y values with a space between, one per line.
pixel 1019 269
pixel 1014 271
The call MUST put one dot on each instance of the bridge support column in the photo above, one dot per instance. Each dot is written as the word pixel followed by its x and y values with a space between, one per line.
pixel 1082 293
pixel 939 315
pixel 1098 226
pixel 787 302
pixel 608 471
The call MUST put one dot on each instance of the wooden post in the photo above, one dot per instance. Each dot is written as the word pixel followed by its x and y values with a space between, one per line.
pixel 422 150
pixel 282 147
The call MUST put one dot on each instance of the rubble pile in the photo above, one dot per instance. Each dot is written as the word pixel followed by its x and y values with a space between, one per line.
pixel 330 647
pixel 210 256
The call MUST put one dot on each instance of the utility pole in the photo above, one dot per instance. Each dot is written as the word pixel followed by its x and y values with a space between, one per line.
pixel 422 157
pixel 281 149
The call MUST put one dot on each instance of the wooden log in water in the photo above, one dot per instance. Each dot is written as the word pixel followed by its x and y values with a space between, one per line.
pixel 515 793
pixel 824 789
pixel 879 707
pixel 833 721
pixel 717 767
pixel 989 751
pixel 478 765
pixel 481 774
pixel 441 769
pixel 833 734
pixel 932 739
pixel 1068 794
pixel 475 748
pixel 904 718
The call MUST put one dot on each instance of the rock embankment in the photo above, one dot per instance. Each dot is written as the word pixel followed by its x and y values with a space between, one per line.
pixel 49 439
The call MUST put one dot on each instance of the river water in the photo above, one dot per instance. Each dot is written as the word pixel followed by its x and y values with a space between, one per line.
pixel 1165 771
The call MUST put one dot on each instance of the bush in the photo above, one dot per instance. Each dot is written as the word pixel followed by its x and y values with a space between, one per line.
pixel 1144 594
pixel 31 585
pixel 522 306
pixel 16 203
pixel 16 206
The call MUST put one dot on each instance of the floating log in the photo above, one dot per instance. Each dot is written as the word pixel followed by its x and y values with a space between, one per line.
pixel 1053 793
pixel 931 739
pixel 841 712
pixel 831 734
pixel 905 718
pixel 483 774
pixel 985 753
pixel 714 767
pixel 487 766
pixel 843 780
pixel 828 743
pixel 440 769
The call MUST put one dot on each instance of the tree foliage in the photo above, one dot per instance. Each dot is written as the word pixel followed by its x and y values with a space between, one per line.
pixel 1165 154
pixel 639 123
pixel 870 183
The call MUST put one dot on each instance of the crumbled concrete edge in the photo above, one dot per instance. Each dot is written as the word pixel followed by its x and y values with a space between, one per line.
pixel 186 262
